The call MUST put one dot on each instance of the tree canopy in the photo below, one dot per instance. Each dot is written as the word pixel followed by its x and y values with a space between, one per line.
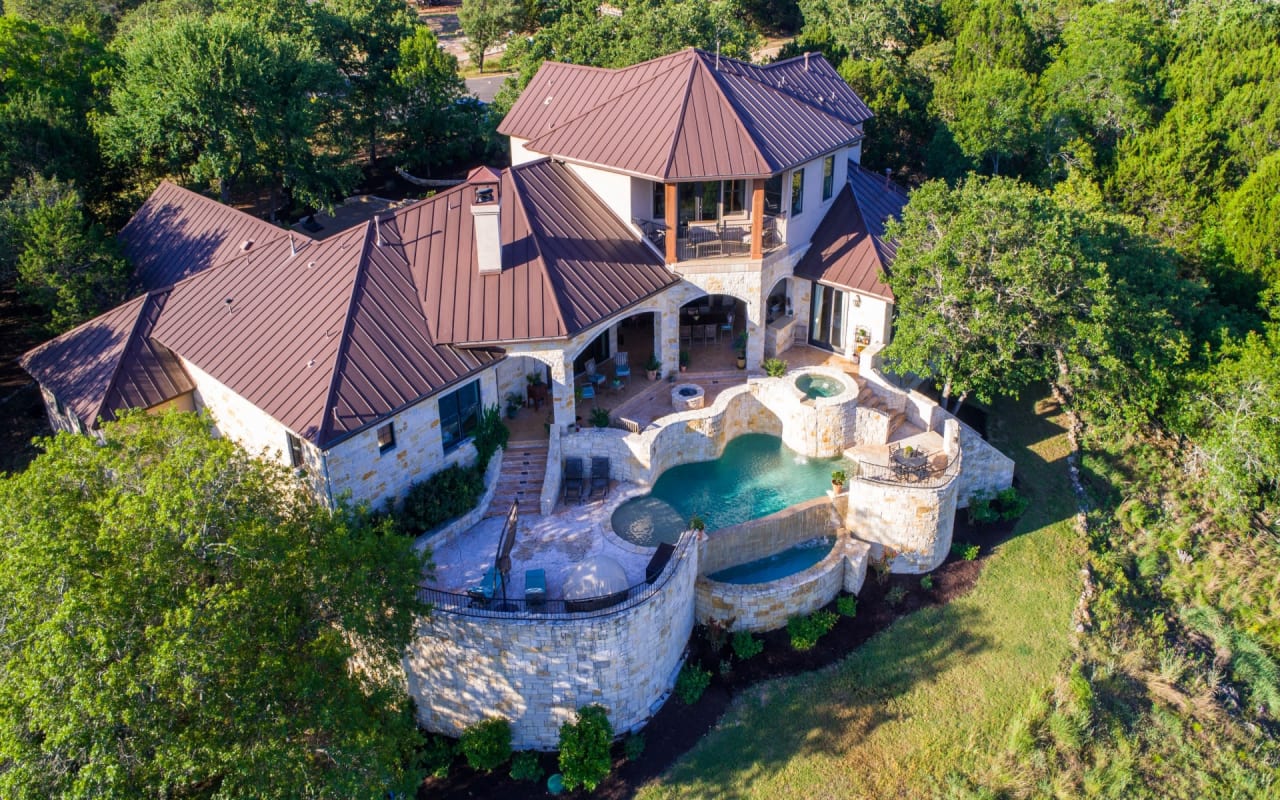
pixel 182 620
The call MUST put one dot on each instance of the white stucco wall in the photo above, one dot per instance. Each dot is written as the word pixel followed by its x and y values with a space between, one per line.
pixel 520 155
pixel 614 189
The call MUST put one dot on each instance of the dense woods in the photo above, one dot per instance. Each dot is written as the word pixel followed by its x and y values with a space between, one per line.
pixel 1096 210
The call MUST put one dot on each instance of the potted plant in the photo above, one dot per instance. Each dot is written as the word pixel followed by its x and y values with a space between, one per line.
pixel 838 480
pixel 740 344
pixel 684 360
pixel 696 523
pixel 533 378
pixel 600 417
pixel 652 367
pixel 514 402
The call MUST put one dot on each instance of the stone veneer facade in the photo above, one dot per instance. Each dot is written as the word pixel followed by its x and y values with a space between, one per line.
pixel 537 670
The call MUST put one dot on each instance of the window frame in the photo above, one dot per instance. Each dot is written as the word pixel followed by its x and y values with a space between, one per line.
pixel 797 191
pixel 828 177
pixel 297 458
pixel 466 424
pixel 389 444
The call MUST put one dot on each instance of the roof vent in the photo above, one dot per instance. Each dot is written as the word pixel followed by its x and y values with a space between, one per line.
pixel 887 172
pixel 245 245
pixel 547 102
pixel 228 303
pixel 485 218
pixel 293 246
pixel 311 265
pixel 806 62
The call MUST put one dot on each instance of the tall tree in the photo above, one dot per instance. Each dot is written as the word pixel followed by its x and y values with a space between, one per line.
pixel 222 100
pixel 865 29
pixel 992 113
pixel 486 23
pixel 436 122
pixel 181 620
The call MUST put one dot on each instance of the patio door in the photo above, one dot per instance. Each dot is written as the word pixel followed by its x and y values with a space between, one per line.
pixel 826 318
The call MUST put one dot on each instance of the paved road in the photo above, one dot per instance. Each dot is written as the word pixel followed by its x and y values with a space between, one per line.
pixel 485 88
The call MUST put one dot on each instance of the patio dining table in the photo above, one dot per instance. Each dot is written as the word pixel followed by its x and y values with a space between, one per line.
pixel 914 466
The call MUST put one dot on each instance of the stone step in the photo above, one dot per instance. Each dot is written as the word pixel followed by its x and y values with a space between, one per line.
pixel 523 468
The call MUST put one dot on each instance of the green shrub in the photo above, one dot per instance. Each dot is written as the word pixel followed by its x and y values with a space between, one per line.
pixel 1011 504
pixel 745 645
pixel 982 509
pixel 491 433
pixel 775 367
pixel 691 683
pixel 697 523
pixel 600 417
pixel 437 755
pixel 584 749
pixel 1006 505
pixel 633 746
pixel 847 605
pixel 926 583
pixel 449 493
pixel 526 767
pixel 968 552
pixel 487 744
pixel 806 631
pixel 896 595
pixel 653 364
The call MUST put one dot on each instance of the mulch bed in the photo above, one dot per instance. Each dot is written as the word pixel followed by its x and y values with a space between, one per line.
pixel 677 727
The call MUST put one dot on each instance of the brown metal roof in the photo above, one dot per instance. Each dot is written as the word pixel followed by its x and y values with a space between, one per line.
pixel 689 115
pixel 177 233
pixel 108 363
pixel 849 249
pixel 567 261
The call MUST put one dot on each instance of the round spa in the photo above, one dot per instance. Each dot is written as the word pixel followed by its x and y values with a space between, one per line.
pixel 757 475
pixel 687 397
pixel 815 386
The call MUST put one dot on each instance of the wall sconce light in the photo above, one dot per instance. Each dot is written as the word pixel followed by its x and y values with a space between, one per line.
pixel 857 300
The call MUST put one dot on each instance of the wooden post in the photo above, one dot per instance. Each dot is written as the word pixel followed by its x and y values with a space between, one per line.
pixel 757 219
pixel 670 190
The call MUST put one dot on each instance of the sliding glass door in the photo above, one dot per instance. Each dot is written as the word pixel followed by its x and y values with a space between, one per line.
pixel 826 318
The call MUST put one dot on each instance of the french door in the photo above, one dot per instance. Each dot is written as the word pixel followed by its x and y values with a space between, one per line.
pixel 826 318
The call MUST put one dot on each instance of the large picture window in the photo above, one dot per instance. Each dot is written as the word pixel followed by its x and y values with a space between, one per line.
pixel 797 192
pixel 459 414
pixel 708 201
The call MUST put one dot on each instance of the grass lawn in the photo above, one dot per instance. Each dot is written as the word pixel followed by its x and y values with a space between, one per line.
pixel 934 693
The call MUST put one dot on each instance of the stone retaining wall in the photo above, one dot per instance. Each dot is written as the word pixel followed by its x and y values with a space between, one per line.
pixel 916 523
pixel 537 671
pixel 761 538
pixel 448 530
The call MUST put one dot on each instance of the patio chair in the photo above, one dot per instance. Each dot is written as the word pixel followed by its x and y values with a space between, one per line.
pixel 697 334
pixel 488 588
pixel 709 333
pixel 535 587
pixel 574 479
pixel 659 562
pixel 593 376
pixel 686 334
pixel 599 475
pixel 621 366
pixel 726 327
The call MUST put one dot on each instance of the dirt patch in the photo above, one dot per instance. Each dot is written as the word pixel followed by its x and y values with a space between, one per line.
pixel 677 727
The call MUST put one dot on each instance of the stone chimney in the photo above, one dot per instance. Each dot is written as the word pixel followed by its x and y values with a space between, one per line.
pixel 485 221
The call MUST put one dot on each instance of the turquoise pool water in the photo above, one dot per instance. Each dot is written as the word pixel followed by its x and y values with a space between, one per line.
pixel 819 385
pixel 756 476
pixel 779 565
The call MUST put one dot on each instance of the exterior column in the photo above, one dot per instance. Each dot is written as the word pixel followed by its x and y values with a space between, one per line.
pixel 668 336
pixel 757 218
pixel 755 335
pixel 669 190
pixel 562 399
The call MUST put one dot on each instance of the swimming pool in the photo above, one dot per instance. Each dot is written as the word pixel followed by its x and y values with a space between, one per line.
pixel 779 565
pixel 757 475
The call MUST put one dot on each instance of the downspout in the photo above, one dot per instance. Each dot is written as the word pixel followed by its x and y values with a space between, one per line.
pixel 328 487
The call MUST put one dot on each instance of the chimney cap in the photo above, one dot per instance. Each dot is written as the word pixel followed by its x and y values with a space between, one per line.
pixel 483 174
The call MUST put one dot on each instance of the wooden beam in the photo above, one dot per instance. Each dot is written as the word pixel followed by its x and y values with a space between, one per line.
pixel 670 191
pixel 757 219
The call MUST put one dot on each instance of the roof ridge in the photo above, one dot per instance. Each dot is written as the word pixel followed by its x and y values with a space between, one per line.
pixel 124 352
pixel 684 108
pixel 357 288
pixel 541 260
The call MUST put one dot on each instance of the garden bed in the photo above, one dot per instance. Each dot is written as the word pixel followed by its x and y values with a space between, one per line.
pixel 677 727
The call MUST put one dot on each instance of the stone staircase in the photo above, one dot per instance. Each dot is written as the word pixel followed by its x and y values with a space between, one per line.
pixel 867 398
pixel 524 464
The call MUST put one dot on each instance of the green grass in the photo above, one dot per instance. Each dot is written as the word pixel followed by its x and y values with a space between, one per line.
pixel 935 693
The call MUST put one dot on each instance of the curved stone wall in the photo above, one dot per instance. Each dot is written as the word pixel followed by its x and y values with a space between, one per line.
pixel 916 523
pixel 536 671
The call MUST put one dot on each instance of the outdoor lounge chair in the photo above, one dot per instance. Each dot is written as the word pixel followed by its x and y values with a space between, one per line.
pixel 599 475
pixel 535 587
pixel 574 479
pixel 593 377
pixel 621 366
pixel 659 562
pixel 489 587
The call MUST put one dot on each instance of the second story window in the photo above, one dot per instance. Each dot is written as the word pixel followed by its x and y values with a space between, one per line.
pixel 296 459
pixel 797 192
pixel 387 437
pixel 828 177
pixel 659 201
pixel 773 195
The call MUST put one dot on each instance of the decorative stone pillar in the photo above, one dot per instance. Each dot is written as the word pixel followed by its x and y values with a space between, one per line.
pixel 562 400
pixel 755 335
pixel 667 338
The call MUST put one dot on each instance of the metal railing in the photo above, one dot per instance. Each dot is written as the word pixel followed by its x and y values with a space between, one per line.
pixel 925 476
pixel 585 608
pixel 724 240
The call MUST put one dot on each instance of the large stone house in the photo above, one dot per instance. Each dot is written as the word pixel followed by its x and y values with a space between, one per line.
pixel 364 358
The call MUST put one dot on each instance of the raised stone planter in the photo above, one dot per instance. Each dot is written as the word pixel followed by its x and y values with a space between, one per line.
pixel 687 397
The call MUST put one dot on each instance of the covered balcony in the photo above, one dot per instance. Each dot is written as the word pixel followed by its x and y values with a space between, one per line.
pixel 739 219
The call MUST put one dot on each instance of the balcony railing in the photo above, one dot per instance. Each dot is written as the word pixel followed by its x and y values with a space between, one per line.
pixel 726 239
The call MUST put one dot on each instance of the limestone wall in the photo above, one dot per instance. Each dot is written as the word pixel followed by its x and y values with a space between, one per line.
pixel 986 469
pixel 916 523
pixel 537 671
pixel 761 538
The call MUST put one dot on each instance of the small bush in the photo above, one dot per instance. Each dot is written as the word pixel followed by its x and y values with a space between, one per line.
pixel 449 493
pixel 968 552
pixel 1011 504
pixel 633 746
pixel 896 595
pixel 697 523
pixel 716 633
pixel 726 667
pixel 1007 505
pixel 926 583
pixel 775 367
pixel 600 417
pixel 490 434
pixel 526 767
pixel 982 510
pixel 746 646
pixel 691 683
pixel 847 605
pixel 584 749
pixel 437 755
pixel 487 744
pixel 806 631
